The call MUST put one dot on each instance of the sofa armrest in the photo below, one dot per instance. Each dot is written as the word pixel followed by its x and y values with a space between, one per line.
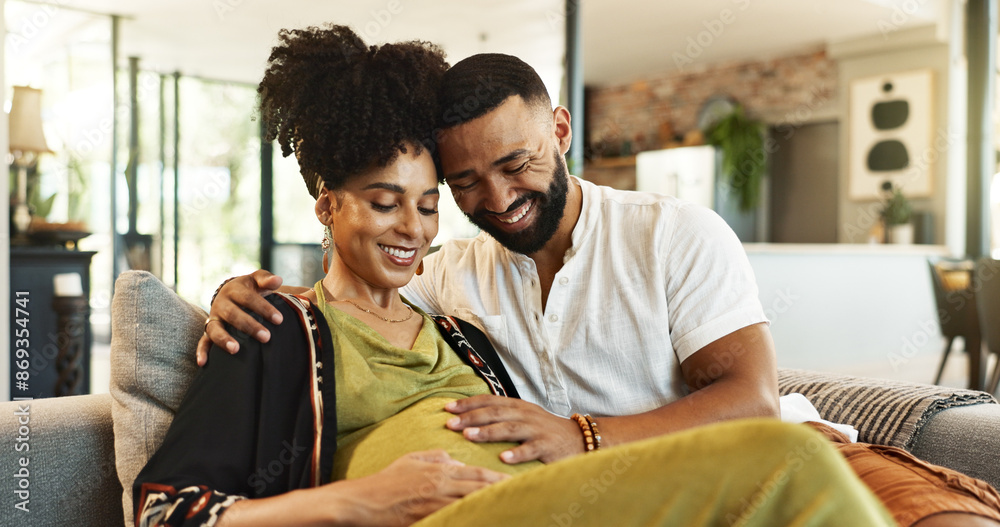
pixel 70 455
pixel 965 439
pixel 885 412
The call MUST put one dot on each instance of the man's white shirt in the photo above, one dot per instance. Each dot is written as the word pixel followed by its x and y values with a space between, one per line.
pixel 649 281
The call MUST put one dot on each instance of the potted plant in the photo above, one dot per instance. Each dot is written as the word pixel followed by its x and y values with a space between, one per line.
pixel 896 212
pixel 744 159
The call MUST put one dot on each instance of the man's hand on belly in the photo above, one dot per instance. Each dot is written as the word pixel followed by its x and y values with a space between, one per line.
pixel 489 418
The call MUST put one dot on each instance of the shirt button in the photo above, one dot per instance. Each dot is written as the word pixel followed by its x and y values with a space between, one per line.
pixel 563 281
pixel 553 318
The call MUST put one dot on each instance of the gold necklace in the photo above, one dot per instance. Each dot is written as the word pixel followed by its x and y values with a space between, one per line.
pixel 370 312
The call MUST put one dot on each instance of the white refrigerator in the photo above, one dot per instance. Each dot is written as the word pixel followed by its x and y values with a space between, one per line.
pixel 693 174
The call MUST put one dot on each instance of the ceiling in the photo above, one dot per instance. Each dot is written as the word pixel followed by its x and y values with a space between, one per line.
pixel 623 39
pixel 627 39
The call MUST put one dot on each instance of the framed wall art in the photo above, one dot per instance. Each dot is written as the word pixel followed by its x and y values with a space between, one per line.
pixel 890 132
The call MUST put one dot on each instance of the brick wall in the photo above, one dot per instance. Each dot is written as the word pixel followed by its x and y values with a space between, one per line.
pixel 780 90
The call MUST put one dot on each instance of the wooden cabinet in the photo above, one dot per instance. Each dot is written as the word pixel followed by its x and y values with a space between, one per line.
pixel 32 308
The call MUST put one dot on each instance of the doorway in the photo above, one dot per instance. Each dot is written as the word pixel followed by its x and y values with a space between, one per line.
pixel 804 183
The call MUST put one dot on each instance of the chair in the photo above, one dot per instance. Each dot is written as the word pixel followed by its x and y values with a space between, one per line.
pixel 957 313
pixel 986 281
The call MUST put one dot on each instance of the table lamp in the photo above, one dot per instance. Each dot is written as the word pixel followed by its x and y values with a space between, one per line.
pixel 26 141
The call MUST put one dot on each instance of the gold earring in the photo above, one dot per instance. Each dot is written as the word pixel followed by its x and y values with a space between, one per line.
pixel 420 268
pixel 326 244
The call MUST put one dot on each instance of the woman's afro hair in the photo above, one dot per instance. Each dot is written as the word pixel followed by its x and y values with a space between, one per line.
pixel 344 107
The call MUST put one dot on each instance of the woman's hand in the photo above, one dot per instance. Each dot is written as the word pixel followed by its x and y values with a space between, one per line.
pixel 412 487
pixel 242 292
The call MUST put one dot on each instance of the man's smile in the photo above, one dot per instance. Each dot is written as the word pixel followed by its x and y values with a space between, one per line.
pixel 515 216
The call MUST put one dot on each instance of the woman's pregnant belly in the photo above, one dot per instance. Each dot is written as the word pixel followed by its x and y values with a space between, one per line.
pixel 420 426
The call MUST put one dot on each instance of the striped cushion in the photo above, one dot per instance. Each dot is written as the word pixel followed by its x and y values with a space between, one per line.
pixel 884 412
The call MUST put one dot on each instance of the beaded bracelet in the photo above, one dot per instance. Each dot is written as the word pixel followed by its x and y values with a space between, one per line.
pixel 591 439
pixel 593 429
pixel 223 284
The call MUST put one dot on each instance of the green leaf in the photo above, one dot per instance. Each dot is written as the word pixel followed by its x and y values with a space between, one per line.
pixel 744 159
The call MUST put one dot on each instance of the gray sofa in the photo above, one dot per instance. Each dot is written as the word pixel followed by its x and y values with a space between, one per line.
pixel 83 449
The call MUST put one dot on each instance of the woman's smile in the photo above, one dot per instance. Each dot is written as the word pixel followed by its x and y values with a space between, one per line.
pixel 399 255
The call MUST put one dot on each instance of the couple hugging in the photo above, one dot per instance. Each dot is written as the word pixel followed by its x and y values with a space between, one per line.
pixel 594 357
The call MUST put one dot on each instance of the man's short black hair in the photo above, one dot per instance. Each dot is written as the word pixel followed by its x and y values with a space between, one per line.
pixel 480 83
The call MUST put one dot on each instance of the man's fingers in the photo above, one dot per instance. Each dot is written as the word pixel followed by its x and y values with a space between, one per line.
pixel 484 416
pixel 529 451
pixel 217 334
pixel 475 402
pixel 250 298
pixel 235 295
pixel 266 281
pixel 239 319
pixel 504 431
pixel 262 307
pixel 204 343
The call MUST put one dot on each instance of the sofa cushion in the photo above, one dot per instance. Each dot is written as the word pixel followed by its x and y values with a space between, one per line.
pixel 68 445
pixel 885 412
pixel 153 338
pixel 965 439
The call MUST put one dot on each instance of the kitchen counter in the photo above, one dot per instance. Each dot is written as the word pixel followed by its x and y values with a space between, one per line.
pixel 861 309
pixel 846 249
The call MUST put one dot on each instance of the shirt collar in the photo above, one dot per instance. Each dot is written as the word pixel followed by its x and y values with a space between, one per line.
pixel 589 214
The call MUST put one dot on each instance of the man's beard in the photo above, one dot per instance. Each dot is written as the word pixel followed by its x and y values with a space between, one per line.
pixel 549 209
